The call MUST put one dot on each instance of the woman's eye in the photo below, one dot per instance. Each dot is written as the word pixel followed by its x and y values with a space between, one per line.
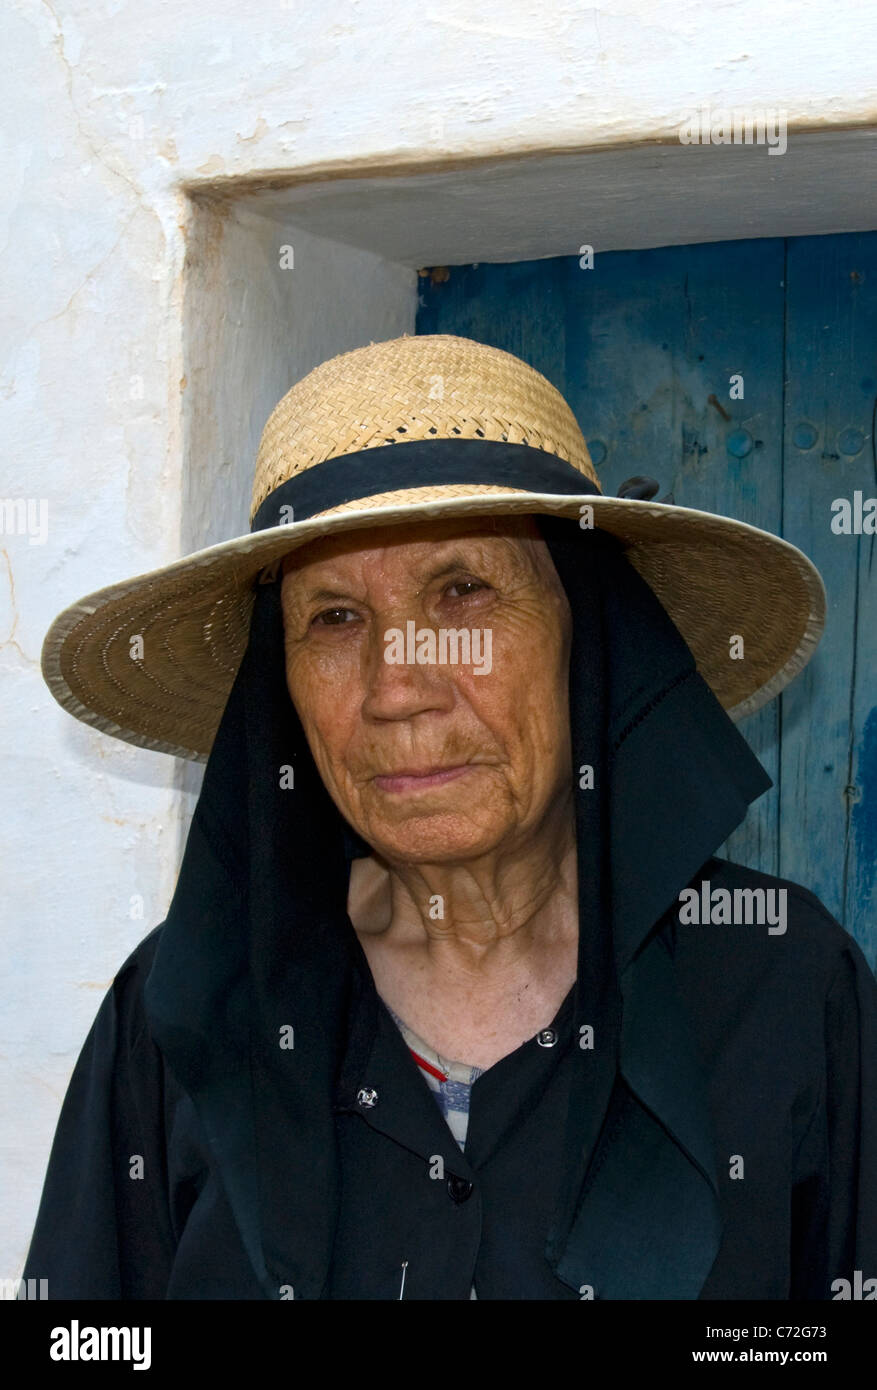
pixel 333 617
pixel 469 586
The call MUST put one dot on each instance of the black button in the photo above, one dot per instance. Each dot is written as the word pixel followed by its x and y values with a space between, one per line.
pixel 459 1189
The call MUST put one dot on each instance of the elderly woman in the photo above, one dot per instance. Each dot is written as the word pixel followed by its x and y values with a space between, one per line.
pixel 453 998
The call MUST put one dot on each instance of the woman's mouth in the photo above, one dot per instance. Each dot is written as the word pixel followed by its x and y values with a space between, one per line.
pixel 410 779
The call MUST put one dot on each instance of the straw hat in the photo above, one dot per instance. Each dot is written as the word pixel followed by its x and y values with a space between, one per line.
pixel 396 432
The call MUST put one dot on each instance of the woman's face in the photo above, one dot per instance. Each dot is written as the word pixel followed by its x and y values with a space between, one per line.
pixel 448 757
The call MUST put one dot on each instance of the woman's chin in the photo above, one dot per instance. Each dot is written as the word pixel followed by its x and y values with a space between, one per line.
pixel 434 839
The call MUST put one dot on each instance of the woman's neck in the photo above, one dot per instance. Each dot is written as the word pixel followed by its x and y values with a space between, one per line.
pixel 478 915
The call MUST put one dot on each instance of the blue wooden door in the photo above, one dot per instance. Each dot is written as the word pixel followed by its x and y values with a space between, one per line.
pixel 643 346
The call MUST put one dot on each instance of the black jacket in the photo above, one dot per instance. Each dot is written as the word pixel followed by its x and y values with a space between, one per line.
pixel 141 1202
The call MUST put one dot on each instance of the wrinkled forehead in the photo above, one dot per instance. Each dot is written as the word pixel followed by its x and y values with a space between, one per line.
pixel 510 542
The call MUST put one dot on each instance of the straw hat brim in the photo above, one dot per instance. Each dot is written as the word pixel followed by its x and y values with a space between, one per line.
pixel 716 577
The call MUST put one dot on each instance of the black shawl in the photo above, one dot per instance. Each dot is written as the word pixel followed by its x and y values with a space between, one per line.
pixel 257 938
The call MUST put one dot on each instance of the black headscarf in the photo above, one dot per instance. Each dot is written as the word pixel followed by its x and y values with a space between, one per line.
pixel 257 938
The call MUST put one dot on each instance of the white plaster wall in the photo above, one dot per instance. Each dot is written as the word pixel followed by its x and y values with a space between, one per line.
pixel 108 109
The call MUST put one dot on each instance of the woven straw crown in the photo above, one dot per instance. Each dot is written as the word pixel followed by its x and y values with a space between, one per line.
pixel 434 387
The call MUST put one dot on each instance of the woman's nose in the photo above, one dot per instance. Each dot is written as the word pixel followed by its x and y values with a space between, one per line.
pixel 397 684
